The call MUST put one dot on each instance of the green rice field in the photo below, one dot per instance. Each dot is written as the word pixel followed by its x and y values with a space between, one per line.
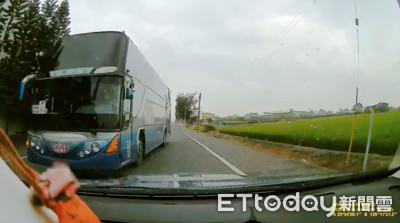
pixel 331 133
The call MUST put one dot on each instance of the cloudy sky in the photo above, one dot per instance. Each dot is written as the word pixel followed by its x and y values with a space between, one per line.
pixel 256 56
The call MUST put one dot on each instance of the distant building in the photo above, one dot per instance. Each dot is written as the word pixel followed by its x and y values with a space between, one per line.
pixel 231 117
pixel 304 114
pixel 250 115
pixel 274 116
pixel 344 111
pixel 322 112
pixel 207 115
pixel 285 114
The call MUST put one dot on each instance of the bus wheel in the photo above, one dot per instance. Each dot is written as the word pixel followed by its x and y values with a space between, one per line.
pixel 140 151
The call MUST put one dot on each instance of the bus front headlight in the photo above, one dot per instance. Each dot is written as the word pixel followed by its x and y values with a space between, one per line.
pixel 96 147
pixel 81 154
pixel 38 145
pixel 86 150
pixel 33 144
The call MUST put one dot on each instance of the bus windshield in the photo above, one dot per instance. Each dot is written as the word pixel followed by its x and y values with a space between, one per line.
pixel 76 103
pixel 92 50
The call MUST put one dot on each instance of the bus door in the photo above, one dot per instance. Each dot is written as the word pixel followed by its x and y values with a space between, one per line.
pixel 127 138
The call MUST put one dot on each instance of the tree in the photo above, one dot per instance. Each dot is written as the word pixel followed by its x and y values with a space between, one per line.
pixel 367 109
pixel 49 38
pixel 185 103
pixel 26 36
pixel 3 22
pixel 12 50
pixel 30 44
pixel 358 108
pixel 48 11
pixel 9 18
pixel 63 20
pixel 381 107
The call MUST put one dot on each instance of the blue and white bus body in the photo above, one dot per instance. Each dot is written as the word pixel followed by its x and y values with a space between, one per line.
pixel 151 108
pixel 145 118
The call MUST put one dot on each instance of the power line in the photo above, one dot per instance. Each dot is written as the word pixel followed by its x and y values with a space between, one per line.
pixel 289 27
pixel 293 22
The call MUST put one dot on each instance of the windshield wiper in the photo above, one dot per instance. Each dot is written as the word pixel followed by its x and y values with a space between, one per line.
pixel 254 185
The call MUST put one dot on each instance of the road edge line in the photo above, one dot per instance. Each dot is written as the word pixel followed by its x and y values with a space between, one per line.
pixel 220 158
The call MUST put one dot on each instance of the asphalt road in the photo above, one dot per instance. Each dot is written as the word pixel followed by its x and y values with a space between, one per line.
pixel 189 152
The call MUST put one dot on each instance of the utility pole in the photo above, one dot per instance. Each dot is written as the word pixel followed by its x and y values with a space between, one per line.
pixel 198 114
pixel 185 117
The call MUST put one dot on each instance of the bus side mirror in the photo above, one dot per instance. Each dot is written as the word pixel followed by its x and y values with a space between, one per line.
pixel 22 85
pixel 129 93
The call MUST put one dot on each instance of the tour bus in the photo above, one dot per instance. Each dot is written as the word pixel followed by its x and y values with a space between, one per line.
pixel 102 107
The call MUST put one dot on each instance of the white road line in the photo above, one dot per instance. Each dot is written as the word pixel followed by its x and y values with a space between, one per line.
pixel 224 161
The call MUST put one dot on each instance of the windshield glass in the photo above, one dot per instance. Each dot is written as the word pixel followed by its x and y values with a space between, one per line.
pixel 76 103
pixel 92 50
pixel 220 93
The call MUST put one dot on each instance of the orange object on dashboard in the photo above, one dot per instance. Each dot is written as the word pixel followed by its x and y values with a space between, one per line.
pixel 55 188
pixel 74 210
